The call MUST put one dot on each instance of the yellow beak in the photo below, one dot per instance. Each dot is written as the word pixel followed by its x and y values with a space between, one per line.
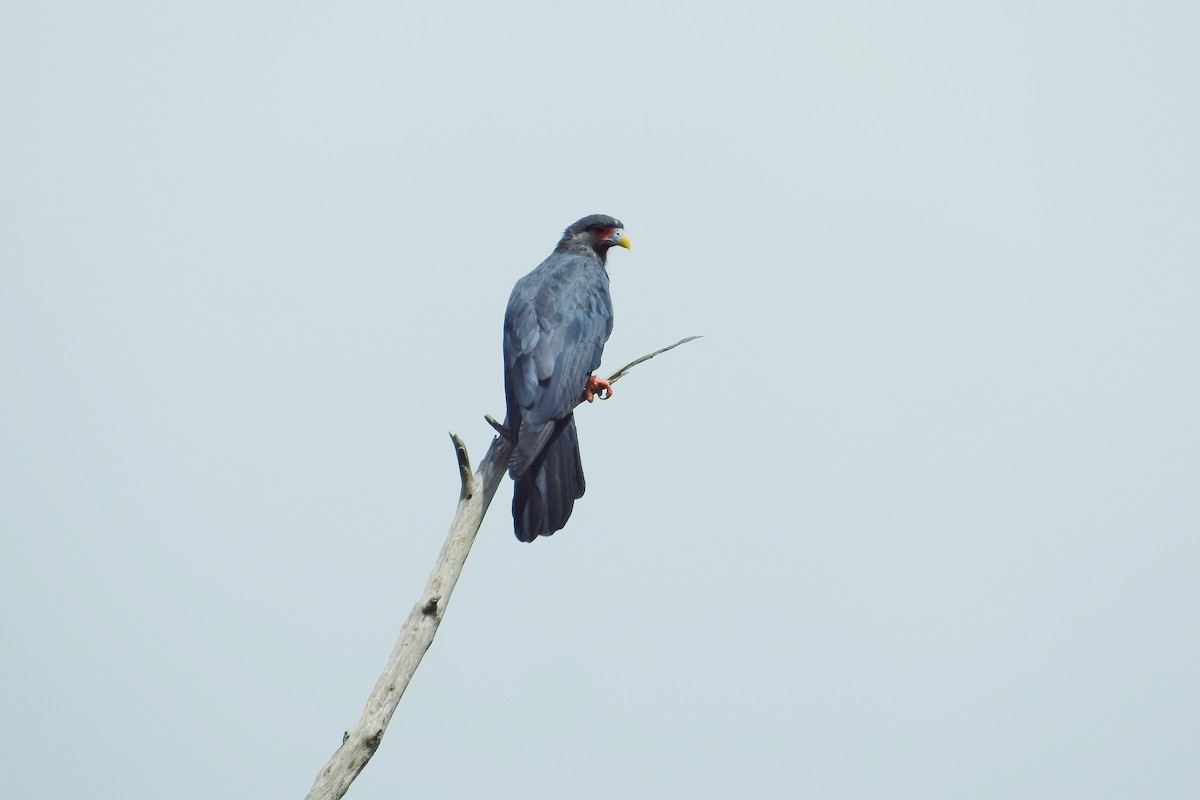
pixel 623 241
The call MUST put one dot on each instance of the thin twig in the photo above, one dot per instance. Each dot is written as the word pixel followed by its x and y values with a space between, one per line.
pixel 616 376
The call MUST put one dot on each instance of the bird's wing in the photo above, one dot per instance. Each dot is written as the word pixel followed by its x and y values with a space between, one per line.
pixel 557 322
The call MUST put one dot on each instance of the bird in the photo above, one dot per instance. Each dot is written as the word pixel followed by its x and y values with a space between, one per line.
pixel 558 319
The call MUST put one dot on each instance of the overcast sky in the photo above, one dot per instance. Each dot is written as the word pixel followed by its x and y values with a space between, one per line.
pixel 918 517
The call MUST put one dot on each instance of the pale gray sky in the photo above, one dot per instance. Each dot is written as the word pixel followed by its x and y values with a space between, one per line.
pixel 917 519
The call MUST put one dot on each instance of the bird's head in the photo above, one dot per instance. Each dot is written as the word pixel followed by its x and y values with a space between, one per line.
pixel 596 233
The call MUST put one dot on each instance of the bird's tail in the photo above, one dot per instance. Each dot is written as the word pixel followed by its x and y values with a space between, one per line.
pixel 546 493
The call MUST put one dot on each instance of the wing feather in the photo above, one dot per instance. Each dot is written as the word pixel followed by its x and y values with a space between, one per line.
pixel 558 318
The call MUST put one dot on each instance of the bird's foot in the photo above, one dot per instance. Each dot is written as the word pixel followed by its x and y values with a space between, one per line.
pixel 597 386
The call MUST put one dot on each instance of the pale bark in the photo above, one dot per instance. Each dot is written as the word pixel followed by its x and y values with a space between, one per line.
pixel 360 742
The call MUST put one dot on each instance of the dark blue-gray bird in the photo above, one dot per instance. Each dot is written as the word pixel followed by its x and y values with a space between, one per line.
pixel 559 317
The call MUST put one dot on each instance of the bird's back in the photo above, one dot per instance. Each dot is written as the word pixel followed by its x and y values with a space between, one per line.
pixel 559 316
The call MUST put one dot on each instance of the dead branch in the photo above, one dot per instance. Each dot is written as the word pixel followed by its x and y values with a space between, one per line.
pixel 477 489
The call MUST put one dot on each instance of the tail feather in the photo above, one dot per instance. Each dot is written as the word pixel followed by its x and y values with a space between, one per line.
pixel 545 494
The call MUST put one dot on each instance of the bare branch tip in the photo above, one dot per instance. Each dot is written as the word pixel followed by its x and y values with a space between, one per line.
pixel 465 474
pixel 499 428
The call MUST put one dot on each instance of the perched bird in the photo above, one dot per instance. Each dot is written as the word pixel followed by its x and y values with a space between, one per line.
pixel 559 317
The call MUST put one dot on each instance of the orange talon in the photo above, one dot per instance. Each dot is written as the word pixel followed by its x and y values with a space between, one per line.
pixel 597 386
